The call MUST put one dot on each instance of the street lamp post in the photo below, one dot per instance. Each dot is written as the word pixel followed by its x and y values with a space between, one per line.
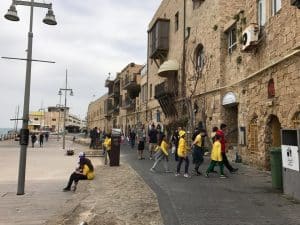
pixel 24 134
pixel 66 89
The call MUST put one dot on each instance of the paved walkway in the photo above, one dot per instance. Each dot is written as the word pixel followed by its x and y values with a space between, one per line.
pixel 120 195
pixel 47 171
pixel 245 198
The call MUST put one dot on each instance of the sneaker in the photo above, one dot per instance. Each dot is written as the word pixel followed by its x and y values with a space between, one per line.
pixel 206 175
pixel 150 158
pixel 177 174
pixel 234 170
pixel 152 170
pixel 67 189
pixel 186 175
pixel 223 176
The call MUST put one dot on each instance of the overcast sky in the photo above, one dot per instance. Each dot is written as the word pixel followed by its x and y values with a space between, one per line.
pixel 92 38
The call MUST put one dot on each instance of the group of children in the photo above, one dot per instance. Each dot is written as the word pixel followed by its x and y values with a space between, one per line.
pixel 218 153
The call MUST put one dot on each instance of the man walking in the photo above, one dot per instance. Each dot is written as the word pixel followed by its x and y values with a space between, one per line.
pixel 152 140
pixel 221 133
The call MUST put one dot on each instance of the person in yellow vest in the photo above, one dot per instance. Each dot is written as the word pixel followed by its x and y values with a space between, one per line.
pixel 198 151
pixel 84 172
pixel 216 158
pixel 182 152
pixel 107 144
pixel 161 154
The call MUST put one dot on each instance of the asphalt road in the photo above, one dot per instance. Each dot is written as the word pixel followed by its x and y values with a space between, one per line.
pixel 245 198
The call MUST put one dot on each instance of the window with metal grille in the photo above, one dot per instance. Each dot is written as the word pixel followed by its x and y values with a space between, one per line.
pixel 232 42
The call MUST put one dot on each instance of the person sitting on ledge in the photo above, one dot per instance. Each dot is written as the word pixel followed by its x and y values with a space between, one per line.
pixel 85 171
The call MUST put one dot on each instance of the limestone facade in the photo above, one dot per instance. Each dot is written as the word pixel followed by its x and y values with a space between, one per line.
pixel 254 88
pixel 263 80
pixel 96 114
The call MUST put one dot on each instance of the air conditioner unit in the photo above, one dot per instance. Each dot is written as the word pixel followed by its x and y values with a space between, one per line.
pixel 296 3
pixel 250 37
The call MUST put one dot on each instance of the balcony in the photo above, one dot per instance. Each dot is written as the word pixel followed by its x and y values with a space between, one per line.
pixel 109 83
pixel 163 89
pixel 128 104
pixel 130 82
pixel 165 97
pixel 159 39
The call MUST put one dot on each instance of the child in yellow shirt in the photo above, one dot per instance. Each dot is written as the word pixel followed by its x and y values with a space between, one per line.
pixel 216 158
pixel 161 154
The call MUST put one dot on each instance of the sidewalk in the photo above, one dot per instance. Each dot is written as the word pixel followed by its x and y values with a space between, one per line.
pixel 245 198
pixel 119 195
pixel 108 199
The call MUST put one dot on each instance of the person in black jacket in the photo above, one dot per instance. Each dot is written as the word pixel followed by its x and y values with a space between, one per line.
pixel 152 140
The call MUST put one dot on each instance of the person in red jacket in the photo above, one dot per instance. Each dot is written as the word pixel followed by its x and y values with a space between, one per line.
pixel 220 133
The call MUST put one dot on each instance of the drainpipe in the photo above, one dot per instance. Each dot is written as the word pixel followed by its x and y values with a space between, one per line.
pixel 183 75
pixel 147 74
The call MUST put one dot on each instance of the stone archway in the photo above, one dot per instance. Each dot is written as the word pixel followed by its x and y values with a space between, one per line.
pixel 296 120
pixel 272 137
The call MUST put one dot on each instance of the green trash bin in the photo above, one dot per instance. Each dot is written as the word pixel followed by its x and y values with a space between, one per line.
pixel 276 167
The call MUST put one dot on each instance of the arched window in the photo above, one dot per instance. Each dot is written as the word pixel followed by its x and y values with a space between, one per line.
pixel 271 88
pixel 199 58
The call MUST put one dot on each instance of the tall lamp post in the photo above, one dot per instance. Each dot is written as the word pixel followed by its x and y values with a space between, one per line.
pixel 24 134
pixel 66 89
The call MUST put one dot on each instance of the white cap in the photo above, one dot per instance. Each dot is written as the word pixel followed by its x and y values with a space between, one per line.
pixel 81 154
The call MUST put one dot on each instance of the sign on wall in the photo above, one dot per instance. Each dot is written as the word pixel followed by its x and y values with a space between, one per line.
pixel 290 157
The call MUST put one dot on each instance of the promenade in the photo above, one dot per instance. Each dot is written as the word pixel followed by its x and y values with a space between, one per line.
pixel 108 199
pixel 131 194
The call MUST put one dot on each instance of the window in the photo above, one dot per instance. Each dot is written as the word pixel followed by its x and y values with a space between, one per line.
pixel 199 58
pixel 157 116
pixel 232 39
pixel 276 6
pixel 53 119
pixel 261 12
pixel 271 88
pixel 176 21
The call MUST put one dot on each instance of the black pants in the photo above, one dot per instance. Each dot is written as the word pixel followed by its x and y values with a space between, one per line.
pixel 226 163
pixel 75 177
pixel 187 163
pixel 176 155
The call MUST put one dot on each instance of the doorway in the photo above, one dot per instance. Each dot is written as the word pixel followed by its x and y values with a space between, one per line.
pixel 272 138
pixel 231 120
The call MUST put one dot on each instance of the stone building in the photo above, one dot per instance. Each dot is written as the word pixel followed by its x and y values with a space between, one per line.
pixel 96 115
pixel 52 120
pixel 233 62
pixel 211 62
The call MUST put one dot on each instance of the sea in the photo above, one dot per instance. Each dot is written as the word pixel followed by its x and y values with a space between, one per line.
pixel 5 130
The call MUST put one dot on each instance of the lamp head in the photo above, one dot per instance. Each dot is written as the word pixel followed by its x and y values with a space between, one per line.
pixel 50 18
pixel 12 14
pixel 59 92
pixel 71 93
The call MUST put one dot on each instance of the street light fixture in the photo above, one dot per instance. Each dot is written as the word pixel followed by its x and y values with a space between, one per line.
pixel 24 134
pixel 65 108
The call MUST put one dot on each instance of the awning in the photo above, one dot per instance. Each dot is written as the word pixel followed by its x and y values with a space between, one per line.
pixel 168 68
pixel 229 99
